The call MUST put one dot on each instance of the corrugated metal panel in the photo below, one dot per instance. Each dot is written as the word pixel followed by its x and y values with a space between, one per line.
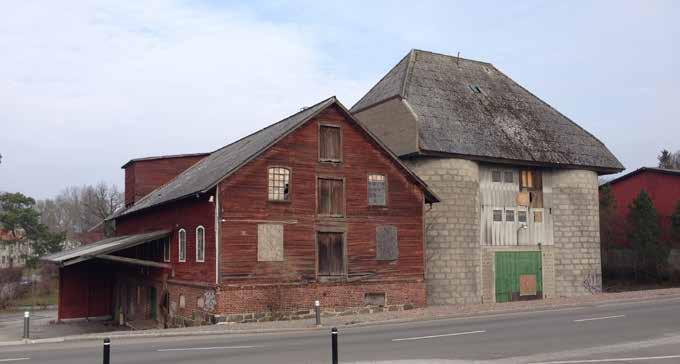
pixel 502 195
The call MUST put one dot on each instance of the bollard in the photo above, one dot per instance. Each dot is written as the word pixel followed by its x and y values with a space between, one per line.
pixel 334 345
pixel 107 350
pixel 27 324
pixel 317 310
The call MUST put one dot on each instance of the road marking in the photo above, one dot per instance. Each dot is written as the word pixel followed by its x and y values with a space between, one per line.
pixel 610 360
pixel 14 359
pixel 599 318
pixel 444 335
pixel 209 348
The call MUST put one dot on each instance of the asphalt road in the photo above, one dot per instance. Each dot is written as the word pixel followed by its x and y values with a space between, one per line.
pixel 640 332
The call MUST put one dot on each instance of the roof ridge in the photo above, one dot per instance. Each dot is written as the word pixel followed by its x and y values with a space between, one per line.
pixel 450 56
pixel 183 155
pixel 407 73
pixel 195 165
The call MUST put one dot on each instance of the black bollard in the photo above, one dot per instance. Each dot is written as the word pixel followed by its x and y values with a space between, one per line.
pixel 27 325
pixel 317 311
pixel 107 351
pixel 334 345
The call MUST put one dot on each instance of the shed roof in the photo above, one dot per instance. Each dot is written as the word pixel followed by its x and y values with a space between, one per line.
pixel 105 246
pixel 672 172
pixel 208 172
pixel 470 108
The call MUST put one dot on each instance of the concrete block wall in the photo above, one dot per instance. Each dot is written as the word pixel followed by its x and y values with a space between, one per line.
pixel 576 232
pixel 452 249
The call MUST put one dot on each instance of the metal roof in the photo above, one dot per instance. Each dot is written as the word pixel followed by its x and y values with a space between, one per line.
pixel 105 246
pixel 672 172
pixel 470 108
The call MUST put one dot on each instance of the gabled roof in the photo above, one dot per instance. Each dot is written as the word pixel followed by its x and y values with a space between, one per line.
pixel 208 172
pixel 470 108
pixel 672 172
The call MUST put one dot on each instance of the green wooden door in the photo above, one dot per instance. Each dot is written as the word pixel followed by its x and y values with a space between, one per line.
pixel 518 276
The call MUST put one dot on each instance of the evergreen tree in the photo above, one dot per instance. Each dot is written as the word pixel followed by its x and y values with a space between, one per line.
pixel 644 234
pixel 19 216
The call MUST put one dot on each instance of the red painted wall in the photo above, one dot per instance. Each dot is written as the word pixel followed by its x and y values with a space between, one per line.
pixel 144 176
pixel 244 204
pixel 663 189
pixel 85 290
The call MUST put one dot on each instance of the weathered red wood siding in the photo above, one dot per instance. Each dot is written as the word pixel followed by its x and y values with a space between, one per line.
pixel 85 290
pixel 144 176
pixel 244 202
pixel 663 189
pixel 185 214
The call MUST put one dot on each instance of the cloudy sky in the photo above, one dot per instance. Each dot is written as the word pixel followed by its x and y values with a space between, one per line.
pixel 86 86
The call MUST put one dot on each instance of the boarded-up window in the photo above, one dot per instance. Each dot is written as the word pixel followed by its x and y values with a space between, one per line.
pixel 495 176
pixel 330 148
pixel 331 254
pixel 387 244
pixel 200 244
pixel 330 197
pixel 531 180
pixel 182 250
pixel 497 215
pixel 279 184
pixel 269 243
pixel 377 190
pixel 538 217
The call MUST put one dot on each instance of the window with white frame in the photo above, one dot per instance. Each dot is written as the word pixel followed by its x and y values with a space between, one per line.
pixel 182 245
pixel 497 215
pixel 166 250
pixel 279 184
pixel 522 216
pixel 200 244
pixel 509 215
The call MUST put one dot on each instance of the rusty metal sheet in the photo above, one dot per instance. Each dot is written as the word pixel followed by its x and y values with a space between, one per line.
pixel 527 285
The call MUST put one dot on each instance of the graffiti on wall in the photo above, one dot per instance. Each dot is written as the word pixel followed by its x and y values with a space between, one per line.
pixel 593 282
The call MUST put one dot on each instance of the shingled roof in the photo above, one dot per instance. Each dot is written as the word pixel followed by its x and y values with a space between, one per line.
pixel 208 172
pixel 470 108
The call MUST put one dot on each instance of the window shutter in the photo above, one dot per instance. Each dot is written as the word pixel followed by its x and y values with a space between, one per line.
pixel 329 143
pixel 387 245
pixel 330 197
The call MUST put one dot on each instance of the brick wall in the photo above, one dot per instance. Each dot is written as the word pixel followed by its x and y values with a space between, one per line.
pixel 576 232
pixel 453 272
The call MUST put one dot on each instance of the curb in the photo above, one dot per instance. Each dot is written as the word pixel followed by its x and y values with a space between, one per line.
pixel 156 334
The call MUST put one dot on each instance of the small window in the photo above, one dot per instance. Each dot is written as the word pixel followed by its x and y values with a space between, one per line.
pixel 510 215
pixel 527 179
pixel 330 197
pixel 476 89
pixel 200 244
pixel 522 216
pixel 508 177
pixel 279 184
pixel 166 250
pixel 538 217
pixel 330 144
pixel 269 243
pixel 387 245
pixel 331 256
pixel 497 215
pixel 495 176
pixel 377 187
pixel 182 238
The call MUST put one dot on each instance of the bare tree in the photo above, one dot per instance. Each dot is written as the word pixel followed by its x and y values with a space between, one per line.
pixel 669 160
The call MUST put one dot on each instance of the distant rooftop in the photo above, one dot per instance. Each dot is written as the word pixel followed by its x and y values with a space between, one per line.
pixel 165 157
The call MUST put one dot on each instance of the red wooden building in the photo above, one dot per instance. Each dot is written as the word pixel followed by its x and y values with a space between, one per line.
pixel 662 186
pixel 313 207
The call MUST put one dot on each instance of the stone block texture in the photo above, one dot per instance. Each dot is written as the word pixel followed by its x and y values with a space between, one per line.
pixel 452 248
pixel 576 232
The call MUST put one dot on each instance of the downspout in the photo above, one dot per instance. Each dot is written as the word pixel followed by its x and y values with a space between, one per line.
pixel 217 234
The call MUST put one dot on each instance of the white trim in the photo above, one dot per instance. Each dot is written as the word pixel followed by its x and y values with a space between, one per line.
pixel 179 245
pixel 196 237
pixel 217 234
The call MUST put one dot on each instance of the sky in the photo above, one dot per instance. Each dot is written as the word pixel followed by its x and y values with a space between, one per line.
pixel 86 86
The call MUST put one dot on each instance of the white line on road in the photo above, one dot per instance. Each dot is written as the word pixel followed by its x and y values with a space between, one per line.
pixel 610 360
pixel 444 335
pixel 14 359
pixel 599 318
pixel 209 348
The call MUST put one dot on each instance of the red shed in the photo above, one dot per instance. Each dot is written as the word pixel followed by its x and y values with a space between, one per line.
pixel 313 207
pixel 663 187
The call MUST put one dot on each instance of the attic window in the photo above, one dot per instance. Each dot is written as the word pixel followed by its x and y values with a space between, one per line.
pixel 476 89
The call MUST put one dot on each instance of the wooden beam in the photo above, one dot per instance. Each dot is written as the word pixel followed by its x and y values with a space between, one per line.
pixel 146 263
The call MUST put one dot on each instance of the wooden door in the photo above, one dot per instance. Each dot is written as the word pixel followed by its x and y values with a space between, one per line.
pixel 331 255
